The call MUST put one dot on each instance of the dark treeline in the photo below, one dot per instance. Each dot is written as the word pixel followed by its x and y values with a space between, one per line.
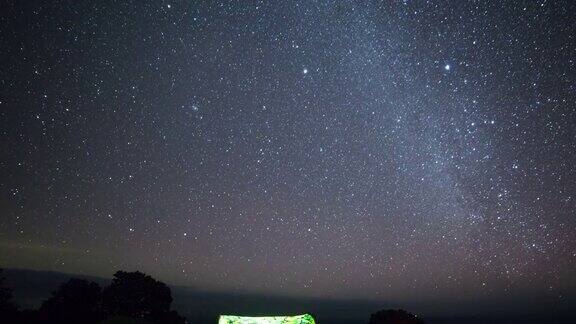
pixel 130 298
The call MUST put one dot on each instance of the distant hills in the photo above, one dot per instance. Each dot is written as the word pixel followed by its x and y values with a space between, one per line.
pixel 31 287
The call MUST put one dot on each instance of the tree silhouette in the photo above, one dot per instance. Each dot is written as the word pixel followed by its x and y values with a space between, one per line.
pixel 137 295
pixel 76 301
pixel 392 316
pixel 8 309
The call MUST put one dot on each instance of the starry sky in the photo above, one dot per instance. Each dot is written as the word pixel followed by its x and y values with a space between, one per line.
pixel 395 150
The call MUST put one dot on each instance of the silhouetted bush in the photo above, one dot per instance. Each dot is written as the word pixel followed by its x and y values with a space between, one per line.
pixel 131 298
pixel 137 295
pixel 76 301
pixel 392 316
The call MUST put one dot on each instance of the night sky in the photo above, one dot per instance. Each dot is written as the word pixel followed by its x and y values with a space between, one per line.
pixel 399 151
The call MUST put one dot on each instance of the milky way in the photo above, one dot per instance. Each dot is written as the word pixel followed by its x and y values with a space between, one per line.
pixel 403 150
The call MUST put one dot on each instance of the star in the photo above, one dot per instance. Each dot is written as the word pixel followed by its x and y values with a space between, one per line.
pixel 408 159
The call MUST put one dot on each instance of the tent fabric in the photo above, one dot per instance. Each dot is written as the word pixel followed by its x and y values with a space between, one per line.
pixel 299 319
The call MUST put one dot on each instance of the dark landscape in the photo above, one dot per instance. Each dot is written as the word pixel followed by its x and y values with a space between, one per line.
pixel 31 288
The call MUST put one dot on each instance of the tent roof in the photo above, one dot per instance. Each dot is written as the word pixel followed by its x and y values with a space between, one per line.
pixel 299 319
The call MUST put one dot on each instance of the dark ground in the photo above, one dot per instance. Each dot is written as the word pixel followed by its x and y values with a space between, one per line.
pixel 32 287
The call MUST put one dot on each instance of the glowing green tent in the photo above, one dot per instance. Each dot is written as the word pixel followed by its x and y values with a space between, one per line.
pixel 300 319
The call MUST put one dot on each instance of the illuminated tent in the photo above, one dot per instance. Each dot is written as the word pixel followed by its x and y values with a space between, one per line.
pixel 299 319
